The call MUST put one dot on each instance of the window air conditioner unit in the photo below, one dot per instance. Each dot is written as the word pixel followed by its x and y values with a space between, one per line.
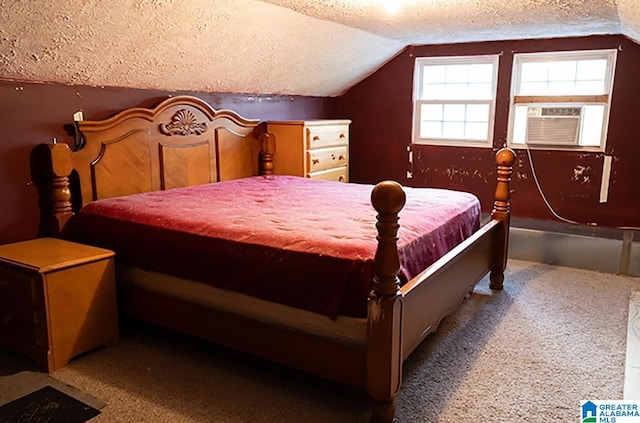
pixel 553 125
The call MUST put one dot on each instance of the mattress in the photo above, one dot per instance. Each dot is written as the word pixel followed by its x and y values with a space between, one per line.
pixel 299 242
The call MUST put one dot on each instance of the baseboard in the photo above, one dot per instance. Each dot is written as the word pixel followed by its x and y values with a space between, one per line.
pixel 610 255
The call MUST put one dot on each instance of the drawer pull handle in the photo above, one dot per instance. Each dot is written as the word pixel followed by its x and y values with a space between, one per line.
pixel 342 135
pixel 316 138
pixel 341 157
pixel 341 178
pixel 316 161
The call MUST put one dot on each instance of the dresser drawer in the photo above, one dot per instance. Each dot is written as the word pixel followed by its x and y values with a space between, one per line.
pixel 327 158
pixel 339 174
pixel 19 288
pixel 325 136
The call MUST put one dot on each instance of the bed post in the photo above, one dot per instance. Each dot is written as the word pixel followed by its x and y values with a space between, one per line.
pixel 384 331
pixel 505 158
pixel 266 156
pixel 54 167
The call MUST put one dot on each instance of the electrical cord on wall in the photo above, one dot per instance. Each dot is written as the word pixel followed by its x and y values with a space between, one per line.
pixel 544 197
pixel 555 214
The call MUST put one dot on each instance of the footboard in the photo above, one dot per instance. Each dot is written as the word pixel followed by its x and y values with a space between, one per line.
pixel 401 317
pixel 440 289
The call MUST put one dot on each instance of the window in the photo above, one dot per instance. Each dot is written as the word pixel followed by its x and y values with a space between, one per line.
pixel 454 100
pixel 561 100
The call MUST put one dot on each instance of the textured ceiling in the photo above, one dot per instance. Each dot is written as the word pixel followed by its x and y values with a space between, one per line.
pixel 311 47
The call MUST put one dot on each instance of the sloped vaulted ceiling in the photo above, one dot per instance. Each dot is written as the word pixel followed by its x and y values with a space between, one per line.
pixel 446 21
pixel 315 48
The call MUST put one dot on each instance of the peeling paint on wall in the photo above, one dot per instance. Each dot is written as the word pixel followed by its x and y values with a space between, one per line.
pixel 478 175
pixel 461 174
pixel 580 174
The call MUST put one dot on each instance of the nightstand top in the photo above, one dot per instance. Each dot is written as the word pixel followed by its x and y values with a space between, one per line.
pixel 49 254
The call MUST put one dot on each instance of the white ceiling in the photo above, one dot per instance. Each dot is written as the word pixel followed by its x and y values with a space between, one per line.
pixel 288 47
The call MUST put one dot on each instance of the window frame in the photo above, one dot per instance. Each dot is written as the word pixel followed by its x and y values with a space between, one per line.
pixel 569 100
pixel 420 63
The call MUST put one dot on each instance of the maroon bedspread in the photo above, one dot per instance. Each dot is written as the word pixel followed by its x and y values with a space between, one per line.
pixel 296 241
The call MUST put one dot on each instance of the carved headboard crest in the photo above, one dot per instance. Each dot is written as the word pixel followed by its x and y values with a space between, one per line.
pixel 184 122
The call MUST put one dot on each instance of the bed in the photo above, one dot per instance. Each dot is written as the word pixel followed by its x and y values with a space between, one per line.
pixel 376 284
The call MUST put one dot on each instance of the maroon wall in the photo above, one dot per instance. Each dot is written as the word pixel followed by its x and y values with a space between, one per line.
pixel 31 114
pixel 381 110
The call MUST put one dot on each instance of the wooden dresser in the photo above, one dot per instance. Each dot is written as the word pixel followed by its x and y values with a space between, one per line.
pixel 57 300
pixel 316 149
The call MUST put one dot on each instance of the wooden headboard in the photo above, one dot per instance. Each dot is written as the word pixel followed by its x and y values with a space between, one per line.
pixel 181 141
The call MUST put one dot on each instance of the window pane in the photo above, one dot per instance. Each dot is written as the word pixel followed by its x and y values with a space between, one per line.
pixel 454 112
pixel 434 91
pixel 456 91
pixel 533 88
pixel 431 112
pixel 592 70
pixel 476 131
pixel 453 130
pixel 458 82
pixel 480 91
pixel 481 72
pixel 454 121
pixel 457 73
pixel 477 113
pixel 563 77
pixel 430 129
pixel 560 87
pixel 433 74
pixel 534 71
pixel 590 87
pixel 562 71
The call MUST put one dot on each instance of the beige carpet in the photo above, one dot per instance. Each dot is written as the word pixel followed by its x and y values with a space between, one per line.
pixel 553 337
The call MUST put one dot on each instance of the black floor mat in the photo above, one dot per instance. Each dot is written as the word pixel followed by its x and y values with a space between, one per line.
pixel 46 405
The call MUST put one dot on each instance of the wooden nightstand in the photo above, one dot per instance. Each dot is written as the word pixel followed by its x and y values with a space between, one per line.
pixel 57 300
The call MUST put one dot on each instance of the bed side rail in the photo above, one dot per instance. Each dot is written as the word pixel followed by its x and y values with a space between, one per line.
pixel 440 289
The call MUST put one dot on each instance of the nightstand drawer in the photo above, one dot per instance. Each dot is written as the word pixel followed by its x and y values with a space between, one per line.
pixel 327 158
pixel 22 327
pixel 18 288
pixel 339 174
pixel 325 136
